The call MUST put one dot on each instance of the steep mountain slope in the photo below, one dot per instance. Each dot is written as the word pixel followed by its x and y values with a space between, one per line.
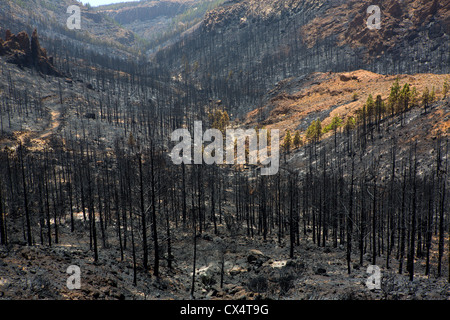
pixel 86 176
pixel 247 46
pixel 296 102
pixel 406 27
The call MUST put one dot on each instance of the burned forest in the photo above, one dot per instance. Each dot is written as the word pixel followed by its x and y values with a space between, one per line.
pixel 88 181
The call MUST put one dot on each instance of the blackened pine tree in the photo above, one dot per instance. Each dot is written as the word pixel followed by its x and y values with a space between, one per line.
pixel 350 220
pixel 443 181
pixel 25 197
pixel 2 216
pixel 154 220
pixel 143 215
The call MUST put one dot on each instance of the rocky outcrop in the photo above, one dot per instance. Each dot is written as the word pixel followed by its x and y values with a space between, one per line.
pixel 26 53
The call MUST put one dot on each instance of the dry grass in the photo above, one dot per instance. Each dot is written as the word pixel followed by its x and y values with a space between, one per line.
pixel 334 92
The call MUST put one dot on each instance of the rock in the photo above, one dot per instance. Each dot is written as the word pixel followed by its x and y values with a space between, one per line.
pixel 24 42
pixel 321 271
pixel 236 270
pixel 26 53
pixel 256 257
pixel 256 252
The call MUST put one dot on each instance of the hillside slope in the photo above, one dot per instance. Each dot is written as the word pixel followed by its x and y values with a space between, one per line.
pixel 295 102
pixel 248 46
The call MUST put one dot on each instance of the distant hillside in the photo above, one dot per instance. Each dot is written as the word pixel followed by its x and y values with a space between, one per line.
pixel 50 18
pixel 122 30
pixel 159 22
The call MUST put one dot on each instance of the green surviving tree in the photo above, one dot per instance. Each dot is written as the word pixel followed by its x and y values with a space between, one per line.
pixel 314 131
pixel 393 96
pixel 287 141
pixel 335 124
pixel 445 88
pixel 426 98
pixel 414 98
pixel 370 108
pixel 404 99
pixel 349 124
pixel 433 95
pixel 298 142
pixel 380 110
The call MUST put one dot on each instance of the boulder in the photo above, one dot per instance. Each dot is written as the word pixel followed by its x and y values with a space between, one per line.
pixel 256 257
pixel 321 271
pixel 236 270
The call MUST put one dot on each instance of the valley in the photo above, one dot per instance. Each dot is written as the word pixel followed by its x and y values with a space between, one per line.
pixel 87 177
